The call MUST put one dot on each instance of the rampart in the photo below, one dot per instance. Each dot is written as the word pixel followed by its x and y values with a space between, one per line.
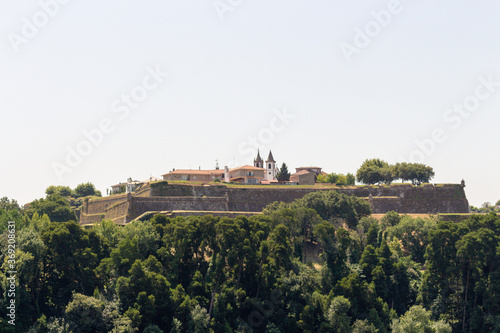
pixel 161 196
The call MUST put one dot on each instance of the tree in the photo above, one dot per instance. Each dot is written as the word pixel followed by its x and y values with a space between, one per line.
pixel 64 191
pixel 413 233
pixel 300 222
pixel 10 211
pixel 387 174
pixel 152 329
pixel 280 248
pixel 283 175
pixel 146 295
pixel 363 326
pixel 351 180
pixel 86 189
pixel 84 314
pixel 337 314
pixel 476 251
pixel 56 207
pixel 341 179
pixel 321 179
pixel 334 205
pixel 391 218
pixel 199 320
pixel 32 279
pixel 416 172
pixel 332 178
pixel 72 255
pixel 417 320
pixel 373 171
pixel 6 204
pixel 424 174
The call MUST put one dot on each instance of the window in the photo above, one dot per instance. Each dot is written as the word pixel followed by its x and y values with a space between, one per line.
pixel 250 174
pixel 269 166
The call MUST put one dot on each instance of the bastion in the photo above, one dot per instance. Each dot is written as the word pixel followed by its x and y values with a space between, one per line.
pixel 230 200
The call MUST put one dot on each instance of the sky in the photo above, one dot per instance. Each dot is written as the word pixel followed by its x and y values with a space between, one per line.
pixel 101 91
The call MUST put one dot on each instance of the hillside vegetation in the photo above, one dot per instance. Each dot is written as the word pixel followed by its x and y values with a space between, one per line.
pixel 257 274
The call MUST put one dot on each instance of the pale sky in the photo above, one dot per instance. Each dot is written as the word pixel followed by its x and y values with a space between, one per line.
pixel 324 83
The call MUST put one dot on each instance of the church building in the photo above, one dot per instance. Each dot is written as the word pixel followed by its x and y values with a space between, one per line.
pixel 269 166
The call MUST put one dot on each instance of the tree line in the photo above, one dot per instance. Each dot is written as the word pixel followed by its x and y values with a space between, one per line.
pixel 377 171
pixel 373 171
pixel 318 264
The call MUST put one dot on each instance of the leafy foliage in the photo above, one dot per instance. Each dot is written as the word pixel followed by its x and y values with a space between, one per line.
pixel 319 264
pixel 54 206
pixel 86 189
pixel 283 175
pixel 374 171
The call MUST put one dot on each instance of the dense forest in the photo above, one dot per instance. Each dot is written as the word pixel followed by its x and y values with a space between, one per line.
pixel 319 264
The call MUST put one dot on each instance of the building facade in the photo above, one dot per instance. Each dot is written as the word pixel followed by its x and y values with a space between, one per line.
pixel 303 177
pixel 194 175
pixel 246 174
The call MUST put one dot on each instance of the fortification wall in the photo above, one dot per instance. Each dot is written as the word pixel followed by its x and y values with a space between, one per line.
pixel 91 218
pixel 426 199
pixel 95 206
pixel 118 211
pixel 144 191
pixel 382 205
pixel 255 199
pixel 141 205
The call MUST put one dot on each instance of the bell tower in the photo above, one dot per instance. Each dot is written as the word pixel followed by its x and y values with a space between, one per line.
pixel 270 167
pixel 258 162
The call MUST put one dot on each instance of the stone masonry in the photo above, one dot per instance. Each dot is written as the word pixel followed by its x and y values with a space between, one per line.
pixel 161 196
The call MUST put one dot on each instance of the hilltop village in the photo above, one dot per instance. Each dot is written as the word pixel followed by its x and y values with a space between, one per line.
pixel 246 190
pixel 262 172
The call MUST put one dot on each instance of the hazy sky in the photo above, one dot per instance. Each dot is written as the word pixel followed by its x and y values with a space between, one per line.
pixel 105 90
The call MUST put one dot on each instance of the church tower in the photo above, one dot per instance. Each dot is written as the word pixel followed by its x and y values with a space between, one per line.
pixel 270 167
pixel 258 162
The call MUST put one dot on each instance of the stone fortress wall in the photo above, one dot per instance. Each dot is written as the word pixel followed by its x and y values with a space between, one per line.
pixel 222 200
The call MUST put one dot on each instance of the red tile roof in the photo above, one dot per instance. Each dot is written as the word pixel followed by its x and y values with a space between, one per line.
pixel 247 167
pixel 311 167
pixel 300 173
pixel 195 172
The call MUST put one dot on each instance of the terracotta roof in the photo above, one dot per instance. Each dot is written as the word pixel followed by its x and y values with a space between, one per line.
pixel 300 173
pixel 267 182
pixel 311 167
pixel 247 167
pixel 195 172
